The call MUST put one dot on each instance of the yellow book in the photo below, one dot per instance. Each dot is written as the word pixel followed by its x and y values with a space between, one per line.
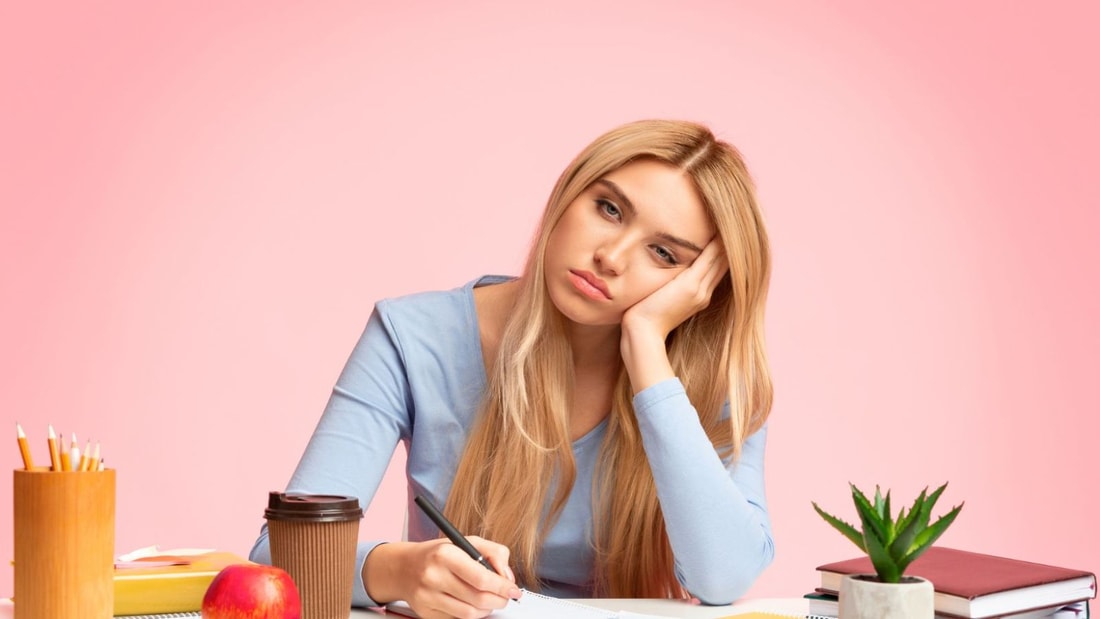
pixel 168 588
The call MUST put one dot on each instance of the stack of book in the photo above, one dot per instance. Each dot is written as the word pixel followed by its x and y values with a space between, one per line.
pixel 151 582
pixel 970 585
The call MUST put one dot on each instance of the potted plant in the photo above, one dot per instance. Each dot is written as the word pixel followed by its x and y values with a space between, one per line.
pixel 892 544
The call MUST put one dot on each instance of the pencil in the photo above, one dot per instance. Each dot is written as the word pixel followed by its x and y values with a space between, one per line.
pixel 74 454
pixel 65 464
pixel 84 455
pixel 93 462
pixel 55 460
pixel 24 448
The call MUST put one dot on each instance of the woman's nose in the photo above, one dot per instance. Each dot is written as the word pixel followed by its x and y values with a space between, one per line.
pixel 611 255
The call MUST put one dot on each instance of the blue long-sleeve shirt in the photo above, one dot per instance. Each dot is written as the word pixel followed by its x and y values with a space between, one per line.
pixel 417 376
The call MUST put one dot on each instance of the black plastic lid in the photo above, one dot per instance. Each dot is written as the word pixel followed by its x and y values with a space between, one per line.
pixel 312 507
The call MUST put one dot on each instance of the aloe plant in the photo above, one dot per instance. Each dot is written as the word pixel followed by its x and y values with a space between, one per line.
pixel 892 544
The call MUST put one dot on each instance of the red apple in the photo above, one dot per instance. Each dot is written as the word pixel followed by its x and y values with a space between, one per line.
pixel 252 591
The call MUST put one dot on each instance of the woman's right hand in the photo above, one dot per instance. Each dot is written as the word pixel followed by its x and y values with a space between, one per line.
pixel 438 579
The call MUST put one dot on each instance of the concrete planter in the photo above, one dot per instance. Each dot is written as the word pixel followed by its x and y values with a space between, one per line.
pixel 862 597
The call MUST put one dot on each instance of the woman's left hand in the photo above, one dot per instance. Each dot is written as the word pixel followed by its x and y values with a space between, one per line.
pixel 646 325
pixel 681 298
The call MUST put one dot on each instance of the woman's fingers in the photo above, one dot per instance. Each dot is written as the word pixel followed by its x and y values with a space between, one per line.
pixel 714 263
pixel 681 297
pixel 702 277
pixel 498 555
pixel 487 585
pixel 454 585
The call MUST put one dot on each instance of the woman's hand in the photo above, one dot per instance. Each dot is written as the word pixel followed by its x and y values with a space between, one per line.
pixel 438 579
pixel 682 297
pixel 647 324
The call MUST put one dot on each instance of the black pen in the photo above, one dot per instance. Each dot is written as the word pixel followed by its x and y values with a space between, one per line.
pixel 452 533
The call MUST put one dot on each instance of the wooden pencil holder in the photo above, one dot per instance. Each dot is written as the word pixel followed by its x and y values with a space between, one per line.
pixel 64 544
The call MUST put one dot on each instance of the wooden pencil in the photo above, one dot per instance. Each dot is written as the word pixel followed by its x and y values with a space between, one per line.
pixel 55 460
pixel 24 448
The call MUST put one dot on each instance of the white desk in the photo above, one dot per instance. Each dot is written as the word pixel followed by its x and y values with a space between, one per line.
pixel 663 608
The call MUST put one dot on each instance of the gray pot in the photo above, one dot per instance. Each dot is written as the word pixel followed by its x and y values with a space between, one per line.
pixel 863 598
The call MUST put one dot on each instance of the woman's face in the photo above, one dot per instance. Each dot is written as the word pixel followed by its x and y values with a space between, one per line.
pixel 624 237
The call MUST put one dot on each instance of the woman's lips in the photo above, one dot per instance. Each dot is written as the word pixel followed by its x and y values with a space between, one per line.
pixel 589 285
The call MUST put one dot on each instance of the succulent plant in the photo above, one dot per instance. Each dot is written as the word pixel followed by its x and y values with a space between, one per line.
pixel 892 544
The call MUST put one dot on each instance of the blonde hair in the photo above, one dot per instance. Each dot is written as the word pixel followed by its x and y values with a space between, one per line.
pixel 519 452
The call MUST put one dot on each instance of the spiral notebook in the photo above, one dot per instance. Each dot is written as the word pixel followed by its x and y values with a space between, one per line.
pixel 537 606
pixel 160 616
pixel 756 614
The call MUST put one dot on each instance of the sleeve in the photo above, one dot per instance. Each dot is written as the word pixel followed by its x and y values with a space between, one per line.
pixel 715 512
pixel 369 411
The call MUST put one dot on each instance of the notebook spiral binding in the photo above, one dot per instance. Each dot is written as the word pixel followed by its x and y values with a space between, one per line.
pixel 566 603
pixel 193 615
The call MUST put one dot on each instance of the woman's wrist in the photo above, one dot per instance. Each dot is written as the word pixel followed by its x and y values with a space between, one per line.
pixel 381 573
pixel 645 358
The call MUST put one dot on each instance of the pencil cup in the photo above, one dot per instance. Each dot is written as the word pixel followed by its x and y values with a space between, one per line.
pixel 64 544
pixel 313 537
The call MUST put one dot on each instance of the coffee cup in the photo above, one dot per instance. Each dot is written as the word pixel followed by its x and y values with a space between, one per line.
pixel 313 538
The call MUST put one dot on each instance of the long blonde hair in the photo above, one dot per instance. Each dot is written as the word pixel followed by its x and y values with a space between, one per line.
pixel 519 453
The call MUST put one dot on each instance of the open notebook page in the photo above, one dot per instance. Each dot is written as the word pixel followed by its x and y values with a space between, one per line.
pixel 537 606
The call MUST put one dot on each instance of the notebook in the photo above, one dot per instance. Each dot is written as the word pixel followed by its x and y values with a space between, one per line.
pixel 537 606
pixel 533 605
pixel 160 616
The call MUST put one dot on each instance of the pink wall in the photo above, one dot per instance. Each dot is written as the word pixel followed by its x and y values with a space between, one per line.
pixel 201 205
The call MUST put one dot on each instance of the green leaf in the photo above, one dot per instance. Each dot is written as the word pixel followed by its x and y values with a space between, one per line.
pixel 927 537
pixel 908 528
pixel 848 530
pixel 926 507
pixel 914 512
pixel 888 518
pixel 885 566
pixel 872 523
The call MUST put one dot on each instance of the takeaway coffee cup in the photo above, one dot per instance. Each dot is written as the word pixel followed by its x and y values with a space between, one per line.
pixel 313 537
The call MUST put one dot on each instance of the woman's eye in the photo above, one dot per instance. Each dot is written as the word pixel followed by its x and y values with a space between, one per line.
pixel 608 208
pixel 665 255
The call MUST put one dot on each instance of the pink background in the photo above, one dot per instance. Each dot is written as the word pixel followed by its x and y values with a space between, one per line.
pixel 202 203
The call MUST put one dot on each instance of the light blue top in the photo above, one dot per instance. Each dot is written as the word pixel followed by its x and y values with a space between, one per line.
pixel 417 376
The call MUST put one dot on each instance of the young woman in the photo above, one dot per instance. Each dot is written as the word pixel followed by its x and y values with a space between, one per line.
pixel 597 424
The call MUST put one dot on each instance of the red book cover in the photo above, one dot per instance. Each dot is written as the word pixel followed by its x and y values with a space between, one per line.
pixel 971 584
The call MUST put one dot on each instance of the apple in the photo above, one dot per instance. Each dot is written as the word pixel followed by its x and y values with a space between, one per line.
pixel 252 591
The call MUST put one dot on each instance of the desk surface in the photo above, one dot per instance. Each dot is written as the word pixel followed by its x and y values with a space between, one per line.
pixel 664 608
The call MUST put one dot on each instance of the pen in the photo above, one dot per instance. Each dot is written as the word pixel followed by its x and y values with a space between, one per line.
pixel 24 449
pixel 451 532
